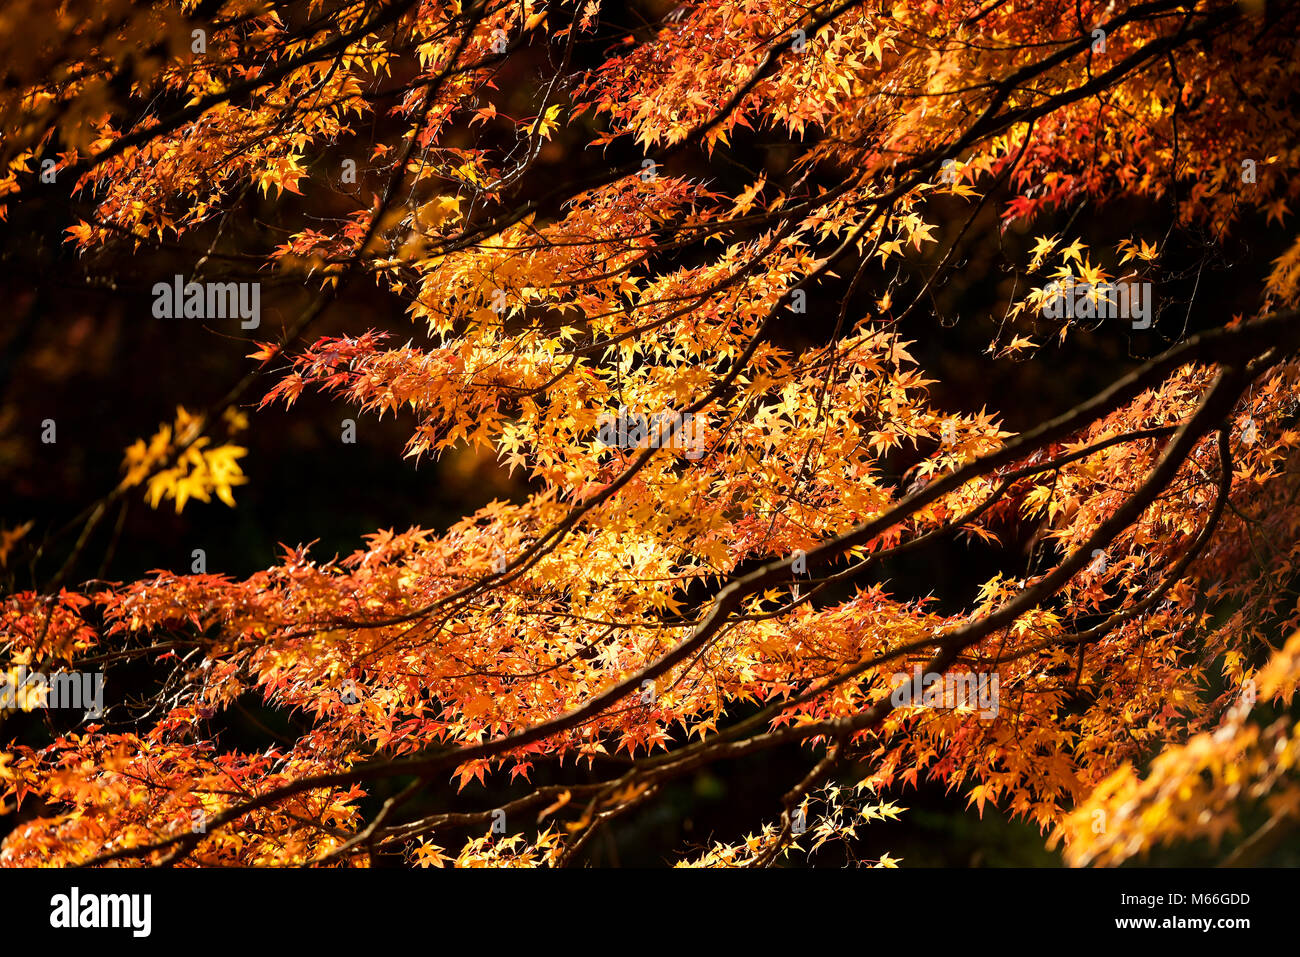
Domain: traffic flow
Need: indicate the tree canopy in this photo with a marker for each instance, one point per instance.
(677, 271)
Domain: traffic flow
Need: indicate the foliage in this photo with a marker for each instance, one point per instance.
(642, 603)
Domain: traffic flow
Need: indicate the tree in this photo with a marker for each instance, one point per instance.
(692, 346)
